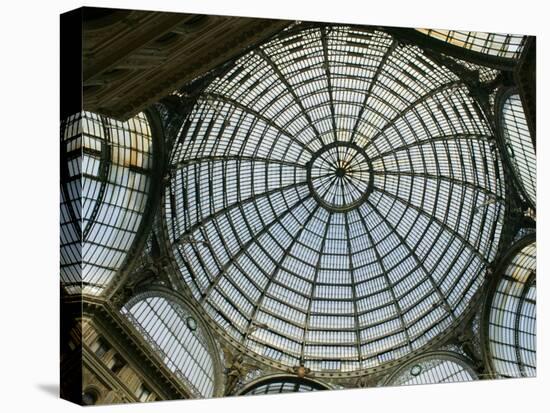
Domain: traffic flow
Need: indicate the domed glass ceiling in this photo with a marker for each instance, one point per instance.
(334, 200)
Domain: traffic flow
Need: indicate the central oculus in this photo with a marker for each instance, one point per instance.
(339, 176)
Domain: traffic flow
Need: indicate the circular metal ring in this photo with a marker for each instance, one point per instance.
(341, 171)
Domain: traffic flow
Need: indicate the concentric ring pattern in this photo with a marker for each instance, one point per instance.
(294, 280)
(339, 176)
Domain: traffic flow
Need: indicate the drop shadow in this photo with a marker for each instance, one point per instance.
(50, 389)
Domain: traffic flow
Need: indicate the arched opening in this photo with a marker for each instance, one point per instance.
(90, 397)
(177, 337)
(510, 315)
(282, 384)
(433, 368)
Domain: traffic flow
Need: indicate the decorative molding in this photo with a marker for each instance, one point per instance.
(132, 64)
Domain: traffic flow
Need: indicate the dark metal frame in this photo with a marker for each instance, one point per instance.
(193, 247)
(154, 197)
(345, 207)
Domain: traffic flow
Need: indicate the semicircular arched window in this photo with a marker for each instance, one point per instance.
(433, 369)
(104, 193)
(177, 338)
(283, 385)
(519, 146)
(511, 333)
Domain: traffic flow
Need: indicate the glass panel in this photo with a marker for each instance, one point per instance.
(103, 197)
(434, 370)
(494, 44)
(519, 145)
(512, 317)
(283, 386)
(177, 339)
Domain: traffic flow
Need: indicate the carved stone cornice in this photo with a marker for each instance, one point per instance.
(111, 324)
(101, 373)
(144, 56)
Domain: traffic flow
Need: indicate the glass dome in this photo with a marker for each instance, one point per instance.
(335, 198)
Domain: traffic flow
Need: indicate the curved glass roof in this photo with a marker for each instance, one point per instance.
(177, 338)
(519, 146)
(512, 317)
(493, 44)
(434, 369)
(335, 198)
(104, 192)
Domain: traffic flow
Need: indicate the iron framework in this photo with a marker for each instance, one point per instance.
(335, 281)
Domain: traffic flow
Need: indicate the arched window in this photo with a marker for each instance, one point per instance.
(336, 197)
(519, 145)
(104, 192)
(279, 385)
(177, 338)
(90, 397)
(432, 369)
(511, 316)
